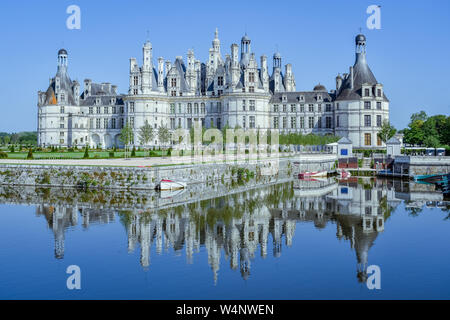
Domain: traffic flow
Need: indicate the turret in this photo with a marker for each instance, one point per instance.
(245, 50)
(62, 60)
(146, 67)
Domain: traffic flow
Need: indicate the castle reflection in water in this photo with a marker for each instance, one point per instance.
(241, 225)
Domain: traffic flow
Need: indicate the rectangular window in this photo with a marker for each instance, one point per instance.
(379, 105)
(189, 108)
(172, 123)
(275, 123)
(105, 123)
(328, 122)
(174, 82)
(302, 108)
(244, 122)
(243, 105)
(319, 122)
(367, 92)
(293, 108)
(62, 109)
(284, 108)
(379, 142)
(113, 123)
(172, 108)
(219, 107)
(367, 139)
(293, 122)
(97, 123)
(91, 123)
(105, 110)
(252, 105)
(251, 89)
(379, 92)
(132, 122)
(275, 108)
(121, 109)
(337, 122)
(219, 123)
(114, 110)
(61, 125)
(251, 77)
(367, 121)
(319, 108)
(328, 108)
(189, 123)
(284, 122)
(252, 122)
(99, 110)
(302, 122)
(135, 80)
(196, 108)
(311, 122)
(367, 105)
(91, 110)
(203, 108)
(131, 107)
(379, 121)
(135, 91)
(220, 81)
(311, 108)
(122, 123)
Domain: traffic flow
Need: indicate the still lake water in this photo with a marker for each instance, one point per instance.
(281, 241)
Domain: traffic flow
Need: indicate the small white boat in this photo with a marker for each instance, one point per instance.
(170, 185)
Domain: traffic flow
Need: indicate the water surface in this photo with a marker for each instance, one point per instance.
(293, 240)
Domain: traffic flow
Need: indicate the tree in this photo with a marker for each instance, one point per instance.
(163, 135)
(431, 142)
(387, 131)
(86, 153)
(146, 134)
(419, 116)
(126, 135)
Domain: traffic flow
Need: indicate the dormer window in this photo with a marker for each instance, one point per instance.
(284, 98)
(319, 97)
(302, 98)
(220, 81)
(367, 92)
(174, 82)
(378, 92)
(251, 77)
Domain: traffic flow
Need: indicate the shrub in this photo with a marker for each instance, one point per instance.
(3, 155)
(11, 149)
(133, 152)
(111, 154)
(30, 154)
(169, 152)
(86, 153)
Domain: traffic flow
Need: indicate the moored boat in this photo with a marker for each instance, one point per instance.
(315, 174)
(170, 185)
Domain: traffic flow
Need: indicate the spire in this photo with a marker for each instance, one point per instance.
(216, 35)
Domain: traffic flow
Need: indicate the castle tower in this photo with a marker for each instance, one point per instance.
(245, 50)
(147, 68)
(264, 73)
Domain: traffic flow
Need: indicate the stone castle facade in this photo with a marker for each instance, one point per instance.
(234, 91)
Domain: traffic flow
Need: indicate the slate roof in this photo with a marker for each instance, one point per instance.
(294, 97)
(361, 75)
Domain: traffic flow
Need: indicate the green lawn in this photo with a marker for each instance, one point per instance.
(79, 155)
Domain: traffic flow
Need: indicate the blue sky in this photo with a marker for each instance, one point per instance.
(410, 55)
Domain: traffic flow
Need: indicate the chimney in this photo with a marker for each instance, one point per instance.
(351, 78)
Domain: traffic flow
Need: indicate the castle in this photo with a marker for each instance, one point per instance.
(235, 91)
